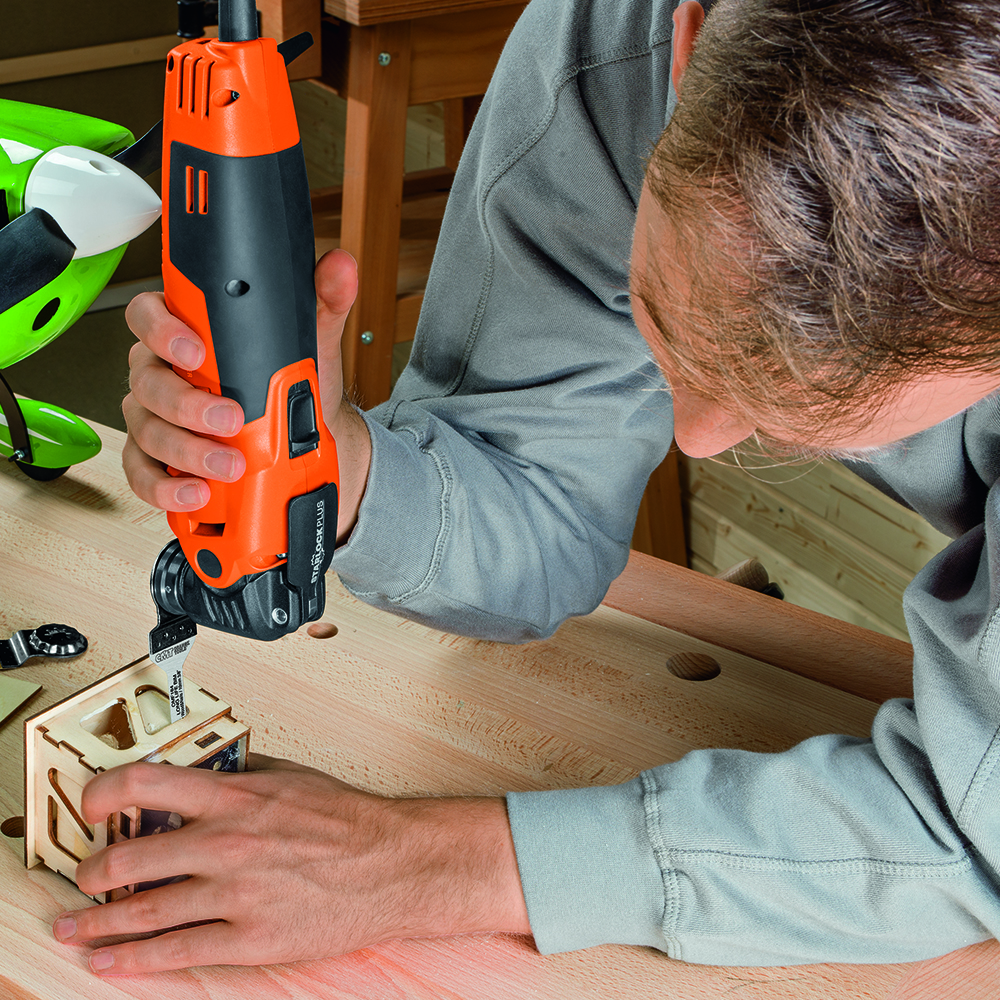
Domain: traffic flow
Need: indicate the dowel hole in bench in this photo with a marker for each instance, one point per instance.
(693, 666)
(322, 630)
(13, 827)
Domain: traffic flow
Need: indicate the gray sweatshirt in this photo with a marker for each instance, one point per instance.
(506, 474)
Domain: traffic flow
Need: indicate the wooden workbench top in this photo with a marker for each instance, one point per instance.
(399, 708)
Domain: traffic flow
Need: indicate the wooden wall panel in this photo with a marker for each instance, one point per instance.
(322, 116)
(834, 543)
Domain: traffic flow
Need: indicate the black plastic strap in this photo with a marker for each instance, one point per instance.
(291, 48)
(15, 423)
(145, 155)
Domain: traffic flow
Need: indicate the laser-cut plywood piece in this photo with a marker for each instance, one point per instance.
(122, 718)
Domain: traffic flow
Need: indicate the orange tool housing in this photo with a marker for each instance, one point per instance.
(238, 256)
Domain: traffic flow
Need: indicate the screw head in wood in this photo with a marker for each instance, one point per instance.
(367, 337)
(384, 59)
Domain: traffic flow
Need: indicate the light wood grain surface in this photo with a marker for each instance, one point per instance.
(398, 708)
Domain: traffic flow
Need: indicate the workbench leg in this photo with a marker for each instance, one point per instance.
(374, 153)
(459, 114)
(659, 528)
(284, 19)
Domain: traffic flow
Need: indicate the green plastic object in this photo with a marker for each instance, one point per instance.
(26, 132)
(41, 317)
(59, 438)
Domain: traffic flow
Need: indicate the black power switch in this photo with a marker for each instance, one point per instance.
(303, 434)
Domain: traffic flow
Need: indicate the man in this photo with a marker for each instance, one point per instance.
(815, 262)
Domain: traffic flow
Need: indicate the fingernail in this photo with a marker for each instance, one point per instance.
(187, 352)
(222, 418)
(102, 960)
(221, 464)
(190, 495)
(64, 927)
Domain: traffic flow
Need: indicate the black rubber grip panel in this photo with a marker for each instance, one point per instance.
(255, 239)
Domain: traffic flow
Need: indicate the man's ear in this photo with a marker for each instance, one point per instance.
(688, 19)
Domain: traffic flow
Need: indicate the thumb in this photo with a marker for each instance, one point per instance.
(262, 762)
(336, 279)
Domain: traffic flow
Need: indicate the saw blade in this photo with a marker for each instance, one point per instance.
(169, 645)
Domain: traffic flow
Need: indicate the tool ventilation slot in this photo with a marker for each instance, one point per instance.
(209, 529)
(194, 84)
(196, 191)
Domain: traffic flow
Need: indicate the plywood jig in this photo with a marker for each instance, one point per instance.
(123, 717)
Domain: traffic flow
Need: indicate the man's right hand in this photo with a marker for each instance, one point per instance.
(287, 863)
(167, 418)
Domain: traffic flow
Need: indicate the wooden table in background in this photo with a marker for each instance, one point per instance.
(398, 708)
(384, 56)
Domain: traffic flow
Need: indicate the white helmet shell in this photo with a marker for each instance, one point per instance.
(99, 203)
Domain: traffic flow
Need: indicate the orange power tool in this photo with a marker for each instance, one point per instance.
(238, 259)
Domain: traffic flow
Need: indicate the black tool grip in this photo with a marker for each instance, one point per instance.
(244, 237)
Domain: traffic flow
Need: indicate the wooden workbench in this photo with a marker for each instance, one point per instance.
(398, 708)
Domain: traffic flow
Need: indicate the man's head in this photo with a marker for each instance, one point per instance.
(819, 235)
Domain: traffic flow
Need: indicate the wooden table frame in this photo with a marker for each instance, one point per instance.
(382, 67)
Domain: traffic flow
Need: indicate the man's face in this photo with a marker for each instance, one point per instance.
(707, 426)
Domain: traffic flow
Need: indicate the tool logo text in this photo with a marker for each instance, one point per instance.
(318, 553)
(166, 654)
